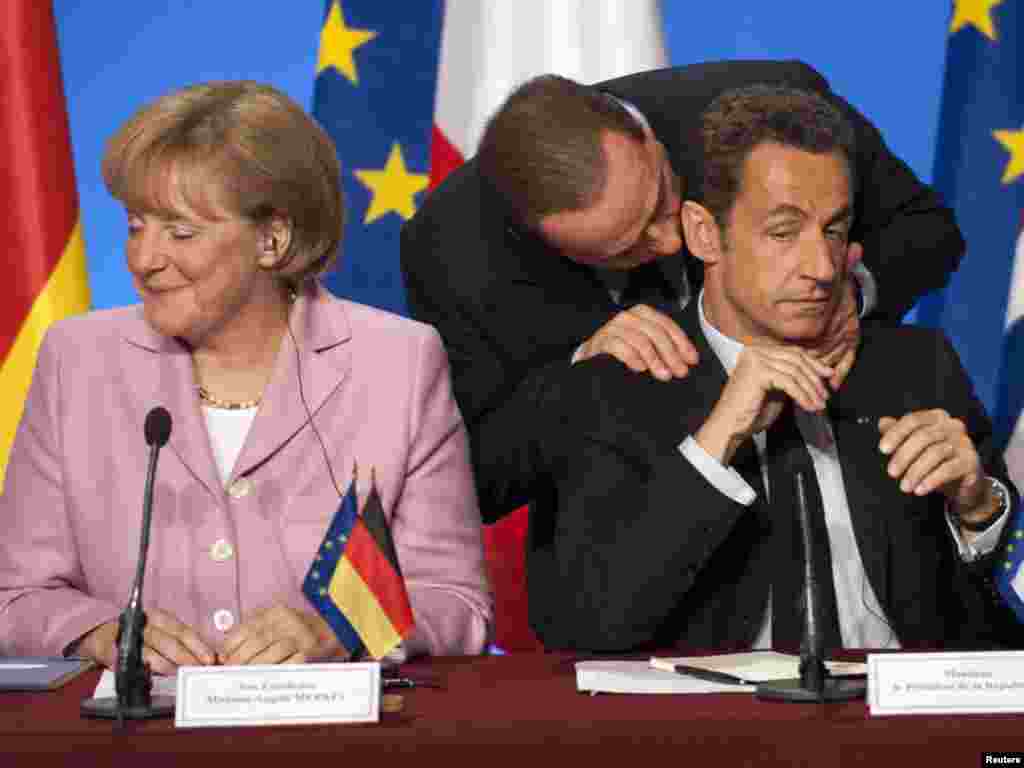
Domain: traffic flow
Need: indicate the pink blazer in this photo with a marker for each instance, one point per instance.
(379, 391)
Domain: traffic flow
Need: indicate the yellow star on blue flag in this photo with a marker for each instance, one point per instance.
(374, 94)
(977, 13)
(1013, 141)
(393, 187)
(338, 42)
(982, 105)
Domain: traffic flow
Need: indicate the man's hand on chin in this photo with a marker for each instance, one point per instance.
(839, 345)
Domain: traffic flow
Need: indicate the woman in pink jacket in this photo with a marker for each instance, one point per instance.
(276, 390)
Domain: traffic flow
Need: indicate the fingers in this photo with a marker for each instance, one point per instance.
(930, 451)
(278, 635)
(644, 339)
(798, 375)
(100, 644)
(843, 366)
(170, 644)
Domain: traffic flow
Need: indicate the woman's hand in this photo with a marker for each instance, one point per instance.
(281, 635)
(166, 644)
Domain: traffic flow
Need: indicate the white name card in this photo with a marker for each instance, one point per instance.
(277, 694)
(945, 683)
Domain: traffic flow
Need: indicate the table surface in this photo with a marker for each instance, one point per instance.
(499, 708)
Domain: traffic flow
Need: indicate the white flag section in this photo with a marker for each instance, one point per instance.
(1010, 573)
(490, 46)
(1014, 312)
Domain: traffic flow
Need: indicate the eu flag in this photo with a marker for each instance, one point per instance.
(374, 94)
(980, 170)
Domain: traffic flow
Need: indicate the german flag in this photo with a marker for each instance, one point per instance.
(355, 582)
(45, 276)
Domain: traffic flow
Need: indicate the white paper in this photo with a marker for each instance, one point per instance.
(641, 677)
(278, 694)
(162, 686)
(757, 666)
(946, 683)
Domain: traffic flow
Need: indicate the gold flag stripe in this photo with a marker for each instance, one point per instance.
(356, 600)
(65, 293)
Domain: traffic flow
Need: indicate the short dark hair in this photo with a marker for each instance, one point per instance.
(741, 119)
(541, 151)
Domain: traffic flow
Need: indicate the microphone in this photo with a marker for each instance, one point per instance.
(814, 684)
(133, 680)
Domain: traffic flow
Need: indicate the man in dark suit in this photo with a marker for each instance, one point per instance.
(514, 301)
(665, 510)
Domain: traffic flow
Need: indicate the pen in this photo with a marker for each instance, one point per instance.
(711, 676)
(406, 682)
(22, 666)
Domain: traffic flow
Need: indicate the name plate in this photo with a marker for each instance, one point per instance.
(278, 694)
(945, 683)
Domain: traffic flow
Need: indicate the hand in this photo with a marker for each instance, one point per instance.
(166, 644)
(280, 635)
(931, 451)
(764, 379)
(645, 340)
(839, 345)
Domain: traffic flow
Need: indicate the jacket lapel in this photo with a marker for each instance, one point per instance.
(313, 369)
(162, 375)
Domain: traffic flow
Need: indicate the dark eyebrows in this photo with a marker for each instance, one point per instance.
(843, 214)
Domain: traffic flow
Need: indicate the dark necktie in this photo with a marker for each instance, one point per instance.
(785, 455)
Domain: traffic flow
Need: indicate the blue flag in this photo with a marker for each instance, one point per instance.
(374, 94)
(316, 585)
(980, 170)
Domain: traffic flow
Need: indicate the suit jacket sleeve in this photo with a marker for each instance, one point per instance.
(436, 522)
(43, 605)
(995, 623)
(636, 522)
(505, 327)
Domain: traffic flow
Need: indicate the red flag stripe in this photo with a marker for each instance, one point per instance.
(373, 567)
(444, 157)
(36, 184)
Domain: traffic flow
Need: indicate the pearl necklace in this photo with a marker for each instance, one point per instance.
(229, 405)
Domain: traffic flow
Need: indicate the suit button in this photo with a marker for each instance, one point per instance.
(223, 620)
(240, 488)
(221, 551)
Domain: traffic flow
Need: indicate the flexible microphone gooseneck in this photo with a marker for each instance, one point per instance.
(133, 679)
(814, 684)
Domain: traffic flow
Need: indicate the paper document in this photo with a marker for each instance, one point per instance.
(33, 673)
(162, 686)
(756, 666)
(641, 677)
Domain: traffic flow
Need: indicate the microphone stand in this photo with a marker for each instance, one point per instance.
(133, 679)
(815, 684)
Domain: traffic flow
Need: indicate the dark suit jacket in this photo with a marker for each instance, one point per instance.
(631, 546)
(507, 306)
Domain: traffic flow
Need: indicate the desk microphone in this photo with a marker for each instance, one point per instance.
(133, 680)
(814, 683)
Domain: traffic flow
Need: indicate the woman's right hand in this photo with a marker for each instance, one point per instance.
(167, 644)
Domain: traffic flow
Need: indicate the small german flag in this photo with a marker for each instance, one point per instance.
(354, 581)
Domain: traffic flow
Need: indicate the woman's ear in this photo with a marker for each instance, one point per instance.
(275, 239)
(703, 238)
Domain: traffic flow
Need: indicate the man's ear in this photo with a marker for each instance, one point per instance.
(275, 239)
(703, 237)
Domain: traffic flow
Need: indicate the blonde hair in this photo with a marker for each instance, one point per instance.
(241, 145)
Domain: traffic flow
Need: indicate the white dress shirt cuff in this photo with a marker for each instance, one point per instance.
(982, 543)
(868, 287)
(725, 479)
